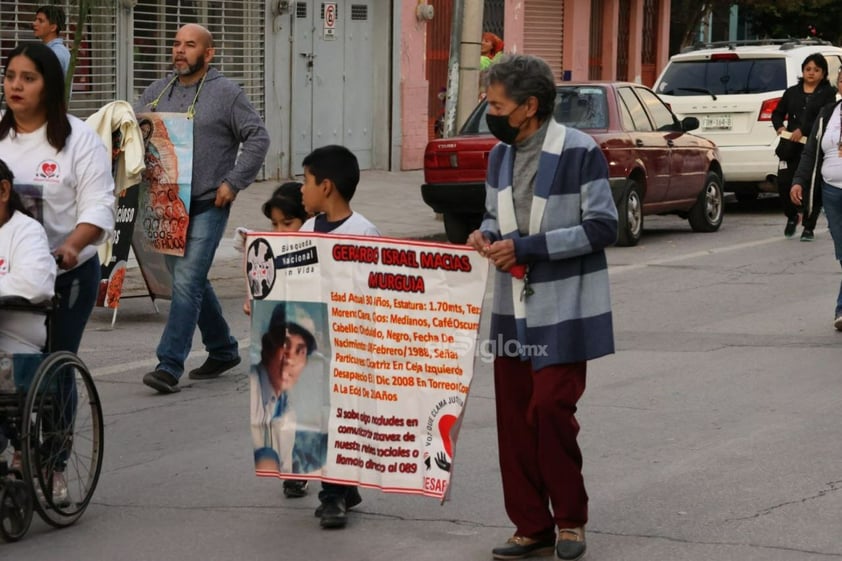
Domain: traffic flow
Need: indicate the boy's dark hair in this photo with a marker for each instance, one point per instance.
(287, 199)
(336, 163)
(15, 202)
(46, 61)
(54, 15)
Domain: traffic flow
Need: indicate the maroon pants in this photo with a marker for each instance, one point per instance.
(540, 460)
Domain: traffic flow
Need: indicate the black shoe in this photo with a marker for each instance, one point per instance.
(571, 544)
(295, 488)
(161, 381)
(519, 547)
(352, 499)
(791, 224)
(334, 513)
(807, 235)
(212, 368)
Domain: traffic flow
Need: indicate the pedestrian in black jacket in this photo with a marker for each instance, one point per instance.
(799, 107)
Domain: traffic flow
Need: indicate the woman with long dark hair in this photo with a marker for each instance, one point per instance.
(799, 107)
(63, 175)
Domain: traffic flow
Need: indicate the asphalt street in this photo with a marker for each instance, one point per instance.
(712, 433)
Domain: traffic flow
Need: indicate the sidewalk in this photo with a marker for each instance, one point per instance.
(392, 200)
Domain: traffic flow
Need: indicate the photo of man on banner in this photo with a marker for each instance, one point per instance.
(289, 399)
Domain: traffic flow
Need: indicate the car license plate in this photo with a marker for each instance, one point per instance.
(721, 122)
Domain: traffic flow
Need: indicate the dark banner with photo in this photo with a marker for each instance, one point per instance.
(362, 357)
(114, 270)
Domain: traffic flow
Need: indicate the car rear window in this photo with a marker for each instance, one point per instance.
(721, 77)
(581, 107)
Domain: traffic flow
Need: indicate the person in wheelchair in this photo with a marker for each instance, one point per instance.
(27, 270)
(39, 388)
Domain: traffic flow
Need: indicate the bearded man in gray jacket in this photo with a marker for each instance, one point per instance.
(224, 124)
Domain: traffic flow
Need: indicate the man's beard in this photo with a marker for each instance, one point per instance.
(191, 68)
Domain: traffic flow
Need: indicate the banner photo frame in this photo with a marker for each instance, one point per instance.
(362, 354)
(164, 203)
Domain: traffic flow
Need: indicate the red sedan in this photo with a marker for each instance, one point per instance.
(655, 165)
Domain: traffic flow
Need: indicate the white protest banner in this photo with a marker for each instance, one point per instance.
(362, 356)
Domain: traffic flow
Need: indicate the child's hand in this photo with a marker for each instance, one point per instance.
(247, 307)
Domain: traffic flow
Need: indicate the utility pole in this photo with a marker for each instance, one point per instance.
(471, 51)
(453, 70)
(463, 64)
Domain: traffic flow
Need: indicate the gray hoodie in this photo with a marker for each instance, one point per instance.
(224, 119)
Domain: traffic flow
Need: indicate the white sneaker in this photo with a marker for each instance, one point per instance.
(837, 323)
(60, 494)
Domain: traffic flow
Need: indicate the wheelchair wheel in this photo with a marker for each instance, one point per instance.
(15, 510)
(62, 439)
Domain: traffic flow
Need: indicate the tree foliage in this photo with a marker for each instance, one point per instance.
(77, 20)
(765, 18)
(792, 18)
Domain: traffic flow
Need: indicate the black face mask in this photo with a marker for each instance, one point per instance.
(500, 127)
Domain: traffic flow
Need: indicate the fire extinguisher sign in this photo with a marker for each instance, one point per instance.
(330, 21)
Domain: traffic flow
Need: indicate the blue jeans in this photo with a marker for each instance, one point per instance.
(193, 299)
(76, 291)
(832, 200)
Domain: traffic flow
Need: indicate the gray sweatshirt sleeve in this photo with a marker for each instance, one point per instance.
(254, 139)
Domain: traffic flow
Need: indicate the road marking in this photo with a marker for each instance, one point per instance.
(152, 362)
(620, 269)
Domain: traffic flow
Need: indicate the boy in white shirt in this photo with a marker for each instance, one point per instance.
(331, 175)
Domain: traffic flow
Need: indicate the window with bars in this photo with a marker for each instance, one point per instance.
(238, 32)
(493, 16)
(95, 78)
(650, 31)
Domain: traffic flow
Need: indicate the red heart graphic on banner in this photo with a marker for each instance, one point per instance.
(48, 168)
(445, 424)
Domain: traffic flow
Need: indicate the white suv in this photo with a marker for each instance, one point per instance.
(732, 88)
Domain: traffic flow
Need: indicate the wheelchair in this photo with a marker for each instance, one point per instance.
(51, 434)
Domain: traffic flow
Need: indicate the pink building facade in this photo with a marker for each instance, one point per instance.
(580, 39)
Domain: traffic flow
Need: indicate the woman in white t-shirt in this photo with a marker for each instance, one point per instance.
(27, 270)
(63, 175)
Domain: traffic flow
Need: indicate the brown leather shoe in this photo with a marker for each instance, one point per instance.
(520, 547)
(571, 544)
